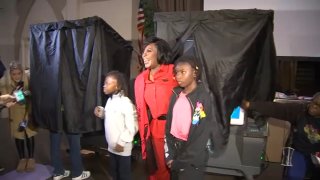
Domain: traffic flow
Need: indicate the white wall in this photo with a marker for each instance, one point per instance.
(117, 13)
(296, 23)
(41, 12)
(7, 29)
(120, 14)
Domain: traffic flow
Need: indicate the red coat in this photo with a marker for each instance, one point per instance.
(157, 96)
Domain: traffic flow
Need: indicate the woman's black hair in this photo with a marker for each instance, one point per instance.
(192, 61)
(164, 55)
(316, 95)
(122, 83)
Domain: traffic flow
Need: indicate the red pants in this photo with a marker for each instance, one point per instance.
(162, 172)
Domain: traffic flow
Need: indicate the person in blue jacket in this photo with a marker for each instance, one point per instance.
(305, 120)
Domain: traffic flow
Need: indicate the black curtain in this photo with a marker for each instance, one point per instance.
(68, 61)
(178, 5)
(235, 48)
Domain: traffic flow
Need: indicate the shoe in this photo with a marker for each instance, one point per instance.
(84, 175)
(21, 165)
(65, 174)
(30, 165)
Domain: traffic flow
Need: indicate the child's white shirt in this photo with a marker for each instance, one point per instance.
(120, 123)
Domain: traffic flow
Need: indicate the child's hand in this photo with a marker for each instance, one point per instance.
(10, 104)
(119, 148)
(99, 112)
(169, 163)
(245, 104)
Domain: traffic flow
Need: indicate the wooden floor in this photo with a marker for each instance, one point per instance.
(97, 162)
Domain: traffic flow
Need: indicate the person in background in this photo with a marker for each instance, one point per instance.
(189, 121)
(153, 88)
(305, 120)
(4, 99)
(22, 130)
(78, 172)
(120, 124)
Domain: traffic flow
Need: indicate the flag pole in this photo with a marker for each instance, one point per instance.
(140, 27)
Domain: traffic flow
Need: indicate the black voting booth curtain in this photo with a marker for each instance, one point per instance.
(235, 49)
(68, 61)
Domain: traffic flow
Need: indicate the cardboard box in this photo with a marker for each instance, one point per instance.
(278, 133)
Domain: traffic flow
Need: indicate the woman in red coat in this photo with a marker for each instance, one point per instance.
(153, 89)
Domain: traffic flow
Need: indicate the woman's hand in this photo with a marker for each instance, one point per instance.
(99, 112)
(7, 98)
(10, 104)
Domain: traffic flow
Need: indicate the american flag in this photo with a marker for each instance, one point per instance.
(140, 25)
